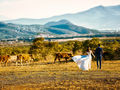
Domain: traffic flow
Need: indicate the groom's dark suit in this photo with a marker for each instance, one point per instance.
(98, 54)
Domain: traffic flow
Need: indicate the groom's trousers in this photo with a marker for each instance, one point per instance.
(99, 59)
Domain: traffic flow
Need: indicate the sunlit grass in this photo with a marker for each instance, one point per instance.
(47, 75)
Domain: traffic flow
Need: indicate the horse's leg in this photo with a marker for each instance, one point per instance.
(55, 59)
(6, 63)
(21, 62)
(16, 63)
(28, 62)
(0, 63)
(59, 60)
(66, 60)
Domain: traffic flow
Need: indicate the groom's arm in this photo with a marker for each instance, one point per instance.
(101, 51)
(96, 52)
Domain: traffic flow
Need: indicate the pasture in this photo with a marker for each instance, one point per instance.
(45, 75)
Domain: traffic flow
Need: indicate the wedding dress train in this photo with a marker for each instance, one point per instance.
(83, 61)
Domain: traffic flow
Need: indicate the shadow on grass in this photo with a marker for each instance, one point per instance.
(36, 63)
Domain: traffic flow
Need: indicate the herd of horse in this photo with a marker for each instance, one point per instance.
(27, 58)
(16, 58)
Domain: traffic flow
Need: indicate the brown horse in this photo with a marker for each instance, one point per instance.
(24, 58)
(4, 59)
(65, 55)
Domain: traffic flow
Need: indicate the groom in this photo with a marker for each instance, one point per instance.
(98, 54)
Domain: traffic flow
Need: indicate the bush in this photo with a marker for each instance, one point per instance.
(41, 49)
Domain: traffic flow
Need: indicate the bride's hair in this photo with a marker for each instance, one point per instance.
(88, 49)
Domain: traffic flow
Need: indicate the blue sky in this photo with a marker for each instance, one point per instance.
(13, 9)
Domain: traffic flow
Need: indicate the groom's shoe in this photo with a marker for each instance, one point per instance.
(97, 67)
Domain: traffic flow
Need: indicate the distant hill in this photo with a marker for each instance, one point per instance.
(69, 27)
(99, 17)
(9, 30)
(14, 31)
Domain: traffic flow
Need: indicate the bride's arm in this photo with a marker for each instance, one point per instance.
(92, 54)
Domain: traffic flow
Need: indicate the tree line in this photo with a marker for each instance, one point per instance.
(42, 49)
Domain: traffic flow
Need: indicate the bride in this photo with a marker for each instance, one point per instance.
(84, 61)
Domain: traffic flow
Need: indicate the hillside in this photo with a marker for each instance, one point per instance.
(66, 25)
(9, 30)
(14, 31)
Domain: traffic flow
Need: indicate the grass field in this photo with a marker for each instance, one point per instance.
(60, 76)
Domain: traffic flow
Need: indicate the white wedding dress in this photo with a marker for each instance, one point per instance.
(83, 61)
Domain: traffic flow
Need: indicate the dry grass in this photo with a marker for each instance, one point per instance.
(47, 75)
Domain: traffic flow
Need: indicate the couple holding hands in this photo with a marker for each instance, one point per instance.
(84, 61)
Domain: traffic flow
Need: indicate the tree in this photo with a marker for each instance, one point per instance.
(41, 49)
(77, 46)
(93, 44)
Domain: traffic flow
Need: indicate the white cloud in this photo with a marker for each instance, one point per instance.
(47, 8)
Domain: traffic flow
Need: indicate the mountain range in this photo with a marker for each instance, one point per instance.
(3, 18)
(100, 17)
(62, 27)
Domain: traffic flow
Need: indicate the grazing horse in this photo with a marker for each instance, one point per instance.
(65, 55)
(4, 59)
(24, 58)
